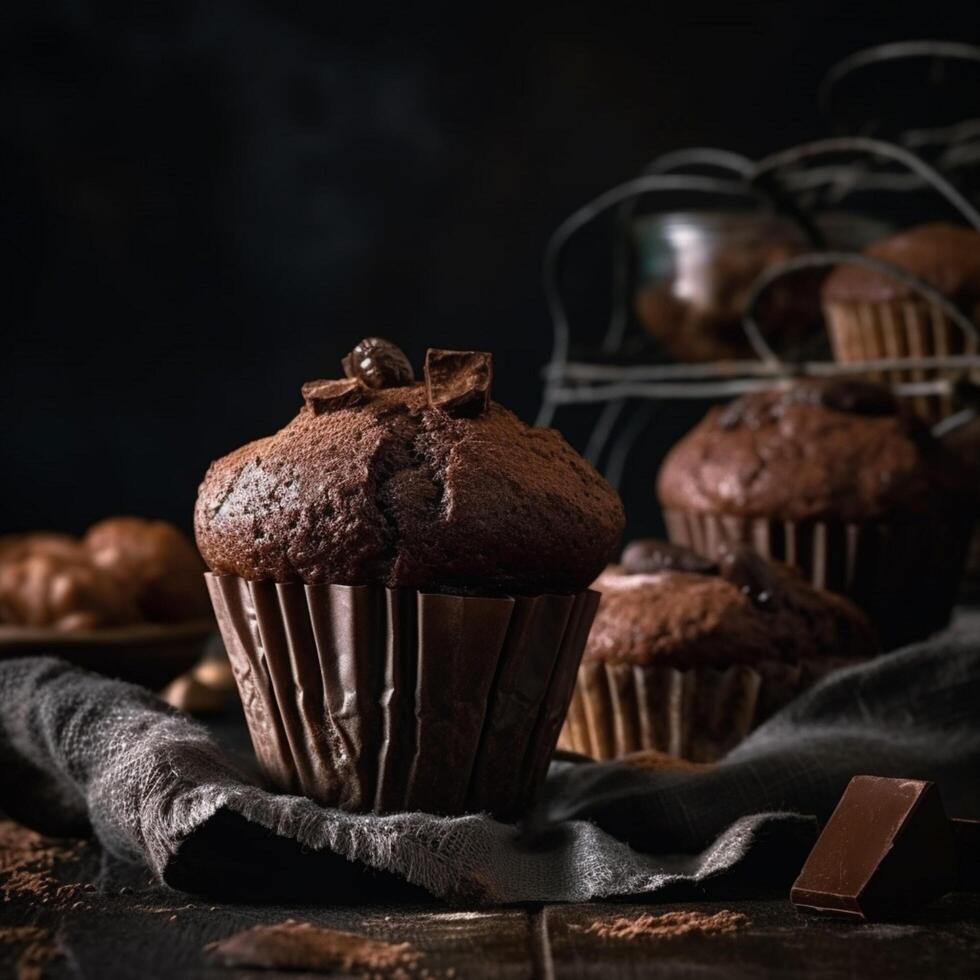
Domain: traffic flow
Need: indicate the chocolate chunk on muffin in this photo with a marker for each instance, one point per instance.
(836, 478)
(395, 490)
(689, 658)
(400, 576)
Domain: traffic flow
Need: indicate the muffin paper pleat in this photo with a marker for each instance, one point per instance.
(905, 576)
(697, 714)
(899, 329)
(372, 699)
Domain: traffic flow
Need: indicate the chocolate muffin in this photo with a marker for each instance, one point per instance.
(836, 478)
(690, 657)
(874, 316)
(400, 575)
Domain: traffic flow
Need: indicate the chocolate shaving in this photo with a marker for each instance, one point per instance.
(649, 555)
(751, 574)
(458, 382)
(332, 395)
(378, 363)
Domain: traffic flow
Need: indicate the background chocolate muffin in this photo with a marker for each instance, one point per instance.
(945, 256)
(389, 489)
(836, 478)
(874, 316)
(688, 658)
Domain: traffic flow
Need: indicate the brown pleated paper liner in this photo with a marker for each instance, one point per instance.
(697, 714)
(906, 329)
(372, 699)
(904, 576)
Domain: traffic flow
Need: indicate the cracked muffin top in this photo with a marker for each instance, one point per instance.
(666, 606)
(427, 485)
(838, 450)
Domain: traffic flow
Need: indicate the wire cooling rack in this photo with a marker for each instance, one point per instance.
(796, 184)
(627, 393)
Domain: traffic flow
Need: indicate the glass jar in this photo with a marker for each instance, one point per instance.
(696, 270)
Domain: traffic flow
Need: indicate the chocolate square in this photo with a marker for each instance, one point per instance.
(886, 850)
(458, 382)
(332, 395)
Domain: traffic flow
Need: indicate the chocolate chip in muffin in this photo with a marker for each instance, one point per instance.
(378, 363)
(751, 574)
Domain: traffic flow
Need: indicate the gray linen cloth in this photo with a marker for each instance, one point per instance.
(79, 752)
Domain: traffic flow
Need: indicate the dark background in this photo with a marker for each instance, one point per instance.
(205, 204)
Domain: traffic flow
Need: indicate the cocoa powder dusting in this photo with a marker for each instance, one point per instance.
(27, 864)
(292, 945)
(669, 925)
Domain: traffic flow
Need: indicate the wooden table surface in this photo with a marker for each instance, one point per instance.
(66, 915)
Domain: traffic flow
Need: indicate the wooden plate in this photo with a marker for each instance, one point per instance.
(151, 654)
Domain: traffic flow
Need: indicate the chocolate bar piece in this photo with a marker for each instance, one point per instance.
(333, 395)
(458, 381)
(887, 849)
(751, 574)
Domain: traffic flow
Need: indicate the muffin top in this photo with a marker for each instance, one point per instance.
(742, 610)
(945, 256)
(430, 486)
(823, 450)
